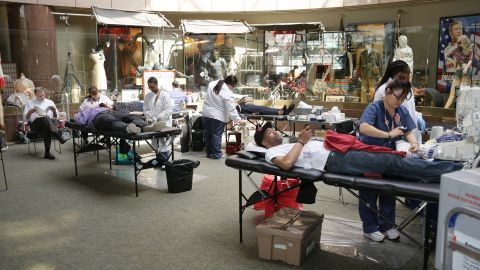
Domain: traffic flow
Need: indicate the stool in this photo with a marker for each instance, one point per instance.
(233, 147)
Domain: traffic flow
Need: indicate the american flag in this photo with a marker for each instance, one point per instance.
(471, 28)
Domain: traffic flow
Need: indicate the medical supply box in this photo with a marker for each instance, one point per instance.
(289, 235)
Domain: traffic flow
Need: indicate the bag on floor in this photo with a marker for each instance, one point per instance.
(124, 159)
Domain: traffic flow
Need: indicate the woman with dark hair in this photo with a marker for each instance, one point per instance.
(95, 99)
(218, 108)
(399, 71)
(383, 123)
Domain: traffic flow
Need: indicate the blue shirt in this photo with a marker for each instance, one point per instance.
(376, 115)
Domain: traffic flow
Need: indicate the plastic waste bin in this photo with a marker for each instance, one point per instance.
(180, 174)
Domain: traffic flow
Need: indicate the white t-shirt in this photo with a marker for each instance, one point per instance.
(90, 103)
(41, 109)
(317, 158)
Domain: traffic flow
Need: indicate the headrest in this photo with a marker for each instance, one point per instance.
(253, 151)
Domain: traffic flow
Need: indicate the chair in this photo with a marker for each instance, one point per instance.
(33, 137)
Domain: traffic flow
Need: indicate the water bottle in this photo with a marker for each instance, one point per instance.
(307, 158)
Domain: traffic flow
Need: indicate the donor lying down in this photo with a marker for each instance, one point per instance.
(344, 154)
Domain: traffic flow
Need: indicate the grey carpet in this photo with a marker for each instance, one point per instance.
(51, 219)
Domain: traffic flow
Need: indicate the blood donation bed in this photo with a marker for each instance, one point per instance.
(112, 138)
(248, 162)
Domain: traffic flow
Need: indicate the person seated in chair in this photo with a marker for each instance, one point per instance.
(40, 112)
(178, 97)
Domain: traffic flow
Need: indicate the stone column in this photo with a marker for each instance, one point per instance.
(33, 42)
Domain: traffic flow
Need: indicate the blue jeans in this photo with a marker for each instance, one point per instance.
(418, 170)
(359, 162)
(255, 109)
(213, 130)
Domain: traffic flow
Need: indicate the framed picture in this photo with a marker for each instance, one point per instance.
(381, 34)
(454, 54)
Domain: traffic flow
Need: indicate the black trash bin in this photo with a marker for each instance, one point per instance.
(180, 174)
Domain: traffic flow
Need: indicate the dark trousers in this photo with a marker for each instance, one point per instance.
(213, 130)
(117, 121)
(254, 109)
(360, 162)
(45, 127)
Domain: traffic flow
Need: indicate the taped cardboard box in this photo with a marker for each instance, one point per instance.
(289, 235)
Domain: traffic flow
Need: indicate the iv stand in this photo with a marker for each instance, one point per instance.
(69, 75)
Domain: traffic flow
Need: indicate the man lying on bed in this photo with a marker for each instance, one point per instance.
(104, 118)
(344, 154)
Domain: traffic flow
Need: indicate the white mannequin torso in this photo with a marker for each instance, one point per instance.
(99, 77)
(404, 52)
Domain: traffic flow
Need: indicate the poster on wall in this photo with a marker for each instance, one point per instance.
(458, 51)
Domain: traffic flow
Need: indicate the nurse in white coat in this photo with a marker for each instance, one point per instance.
(157, 108)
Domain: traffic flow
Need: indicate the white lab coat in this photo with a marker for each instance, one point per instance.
(220, 106)
(158, 107)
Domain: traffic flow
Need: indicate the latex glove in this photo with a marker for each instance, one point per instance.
(413, 148)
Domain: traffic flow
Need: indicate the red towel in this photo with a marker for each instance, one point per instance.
(342, 143)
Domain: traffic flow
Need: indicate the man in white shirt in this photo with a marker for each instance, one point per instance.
(306, 153)
(158, 108)
(40, 113)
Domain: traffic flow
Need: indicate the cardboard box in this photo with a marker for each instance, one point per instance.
(289, 235)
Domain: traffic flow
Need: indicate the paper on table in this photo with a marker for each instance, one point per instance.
(40, 111)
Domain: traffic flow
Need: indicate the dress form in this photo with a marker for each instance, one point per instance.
(99, 77)
(404, 52)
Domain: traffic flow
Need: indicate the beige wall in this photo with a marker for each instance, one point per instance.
(213, 5)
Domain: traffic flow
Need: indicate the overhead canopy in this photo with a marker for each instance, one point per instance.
(215, 27)
(130, 18)
(290, 26)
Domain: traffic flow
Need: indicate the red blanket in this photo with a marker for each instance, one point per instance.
(342, 143)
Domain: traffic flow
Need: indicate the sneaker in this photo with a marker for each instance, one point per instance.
(392, 234)
(133, 129)
(375, 236)
(155, 126)
(49, 155)
(289, 109)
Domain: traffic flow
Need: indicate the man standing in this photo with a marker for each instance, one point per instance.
(158, 108)
(40, 113)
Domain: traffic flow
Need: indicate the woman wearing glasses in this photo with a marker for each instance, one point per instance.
(400, 71)
(384, 122)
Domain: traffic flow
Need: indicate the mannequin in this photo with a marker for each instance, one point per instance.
(369, 72)
(405, 53)
(462, 56)
(99, 78)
